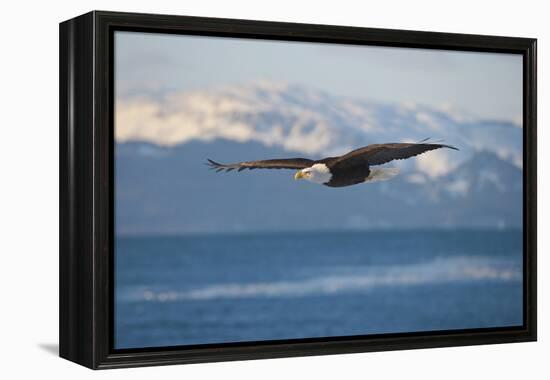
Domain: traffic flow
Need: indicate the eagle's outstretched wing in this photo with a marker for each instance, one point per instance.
(284, 163)
(378, 154)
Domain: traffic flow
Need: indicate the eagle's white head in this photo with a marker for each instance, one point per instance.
(318, 173)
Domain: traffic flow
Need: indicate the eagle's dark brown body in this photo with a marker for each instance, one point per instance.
(346, 175)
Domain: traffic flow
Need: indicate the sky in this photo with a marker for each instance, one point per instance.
(487, 85)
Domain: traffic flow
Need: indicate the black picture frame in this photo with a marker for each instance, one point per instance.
(86, 188)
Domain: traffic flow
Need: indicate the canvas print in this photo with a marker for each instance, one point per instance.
(275, 190)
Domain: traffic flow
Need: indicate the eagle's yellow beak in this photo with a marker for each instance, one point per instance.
(298, 175)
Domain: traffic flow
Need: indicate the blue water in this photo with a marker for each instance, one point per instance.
(251, 287)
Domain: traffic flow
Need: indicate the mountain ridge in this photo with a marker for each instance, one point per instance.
(310, 122)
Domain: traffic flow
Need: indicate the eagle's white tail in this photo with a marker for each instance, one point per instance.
(381, 174)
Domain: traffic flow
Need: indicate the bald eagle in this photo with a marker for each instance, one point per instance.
(349, 169)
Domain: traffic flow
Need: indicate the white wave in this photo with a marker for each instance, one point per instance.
(463, 269)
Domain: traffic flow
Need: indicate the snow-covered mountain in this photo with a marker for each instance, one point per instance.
(163, 186)
(311, 122)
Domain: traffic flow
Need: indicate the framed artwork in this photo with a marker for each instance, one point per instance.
(235, 189)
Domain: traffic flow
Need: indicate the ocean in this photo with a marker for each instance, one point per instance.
(200, 289)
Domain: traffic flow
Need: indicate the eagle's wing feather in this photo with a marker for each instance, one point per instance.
(283, 163)
(378, 154)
